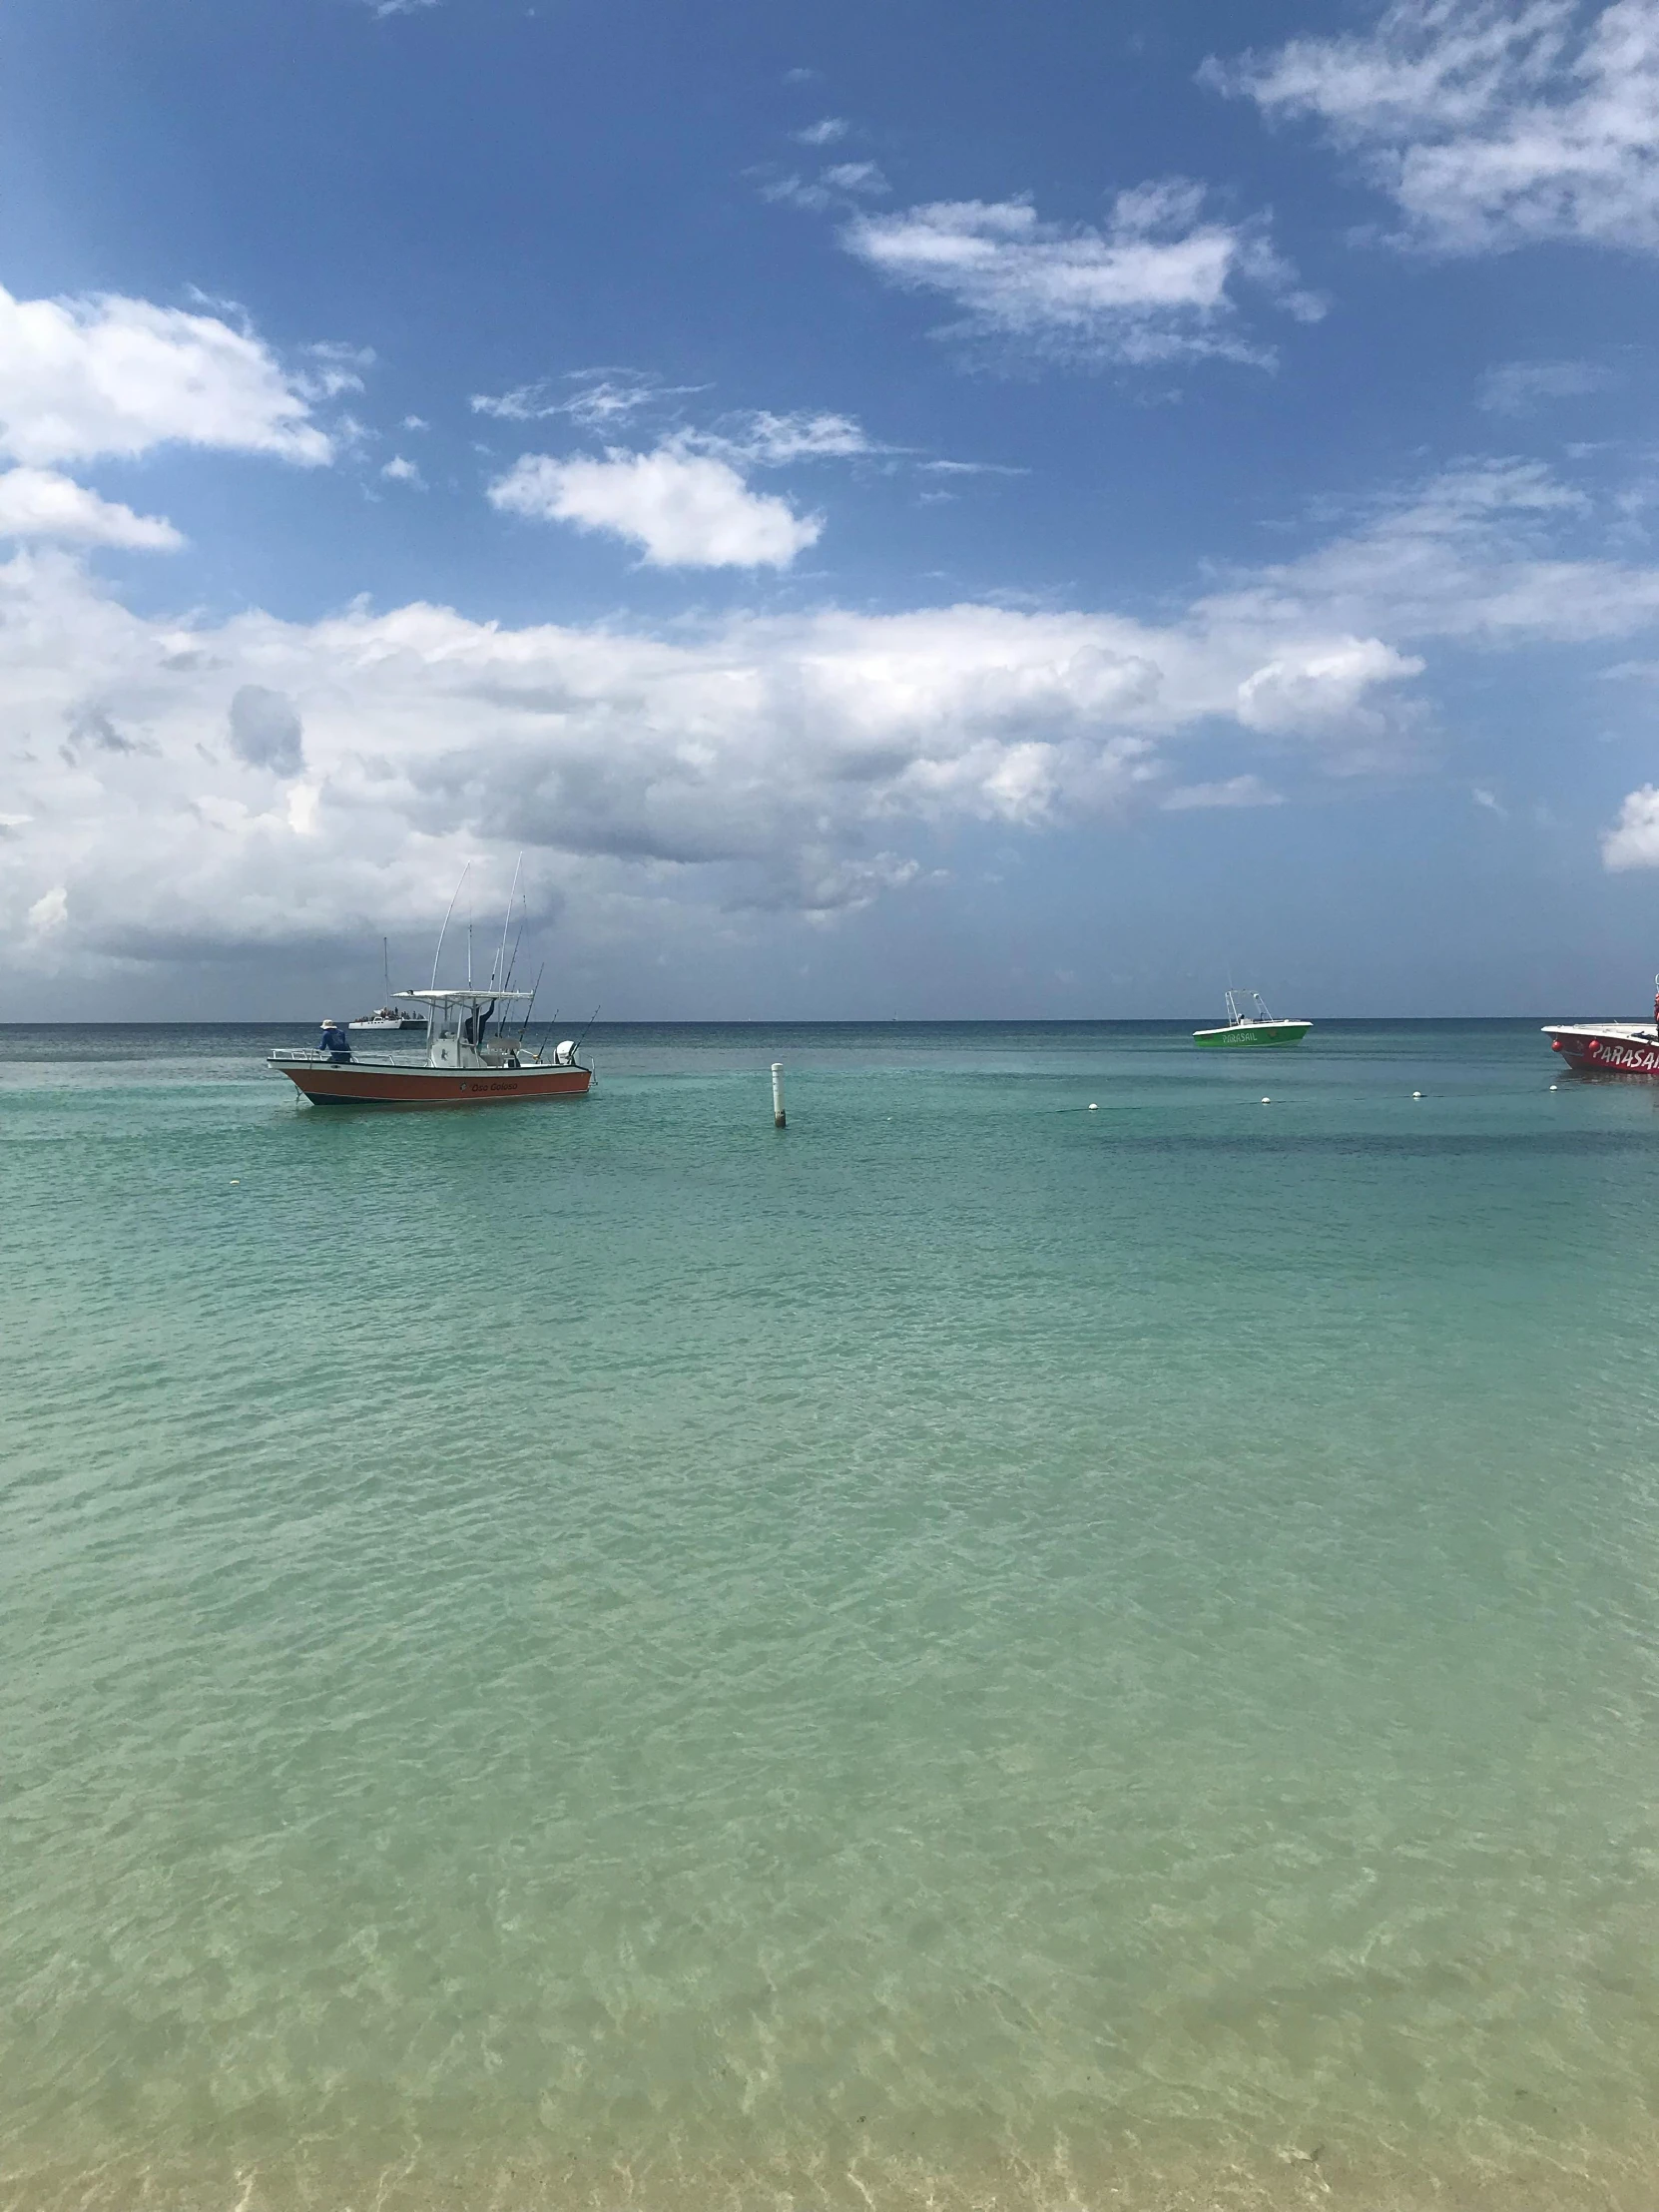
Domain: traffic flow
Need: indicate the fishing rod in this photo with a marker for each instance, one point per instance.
(448, 910)
(583, 1038)
(500, 960)
(518, 939)
(530, 1009)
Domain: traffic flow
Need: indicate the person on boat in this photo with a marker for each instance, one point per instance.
(336, 1044)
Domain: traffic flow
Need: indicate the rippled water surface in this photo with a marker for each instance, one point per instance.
(977, 1651)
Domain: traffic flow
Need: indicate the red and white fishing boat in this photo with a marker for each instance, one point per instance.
(464, 1066)
(1608, 1048)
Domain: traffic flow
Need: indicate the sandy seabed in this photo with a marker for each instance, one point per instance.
(1296, 2178)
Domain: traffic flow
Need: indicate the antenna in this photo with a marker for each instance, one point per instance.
(469, 956)
(448, 910)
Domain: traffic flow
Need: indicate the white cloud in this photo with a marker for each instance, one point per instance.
(1470, 555)
(598, 399)
(1235, 790)
(525, 403)
(108, 375)
(339, 368)
(1156, 282)
(192, 787)
(49, 913)
(842, 185)
(1516, 388)
(829, 132)
(1491, 123)
(414, 422)
(767, 440)
(858, 177)
(39, 503)
(1312, 694)
(791, 761)
(400, 471)
(682, 509)
(970, 468)
(1634, 840)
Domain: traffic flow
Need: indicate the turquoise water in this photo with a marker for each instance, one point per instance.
(974, 1651)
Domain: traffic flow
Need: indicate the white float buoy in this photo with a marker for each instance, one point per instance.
(1267, 1102)
(1554, 1086)
(776, 1094)
(1093, 1108)
(1416, 1094)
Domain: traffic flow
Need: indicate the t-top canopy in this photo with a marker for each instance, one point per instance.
(468, 997)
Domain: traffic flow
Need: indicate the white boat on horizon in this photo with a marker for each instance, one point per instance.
(387, 1017)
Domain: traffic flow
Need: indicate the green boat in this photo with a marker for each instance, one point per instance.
(1258, 1028)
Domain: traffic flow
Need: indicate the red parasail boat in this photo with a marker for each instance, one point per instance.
(464, 1066)
(1608, 1048)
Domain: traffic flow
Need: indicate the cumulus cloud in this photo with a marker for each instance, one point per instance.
(49, 913)
(265, 730)
(787, 761)
(398, 470)
(156, 775)
(1490, 125)
(1634, 841)
(1158, 281)
(1313, 693)
(682, 509)
(39, 503)
(829, 132)
(109, 375)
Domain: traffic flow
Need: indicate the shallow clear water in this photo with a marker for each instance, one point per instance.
(976, 1650)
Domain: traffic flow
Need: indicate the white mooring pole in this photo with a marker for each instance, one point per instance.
(776, 1094)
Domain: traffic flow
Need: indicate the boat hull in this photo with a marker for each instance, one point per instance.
(362, 1083)
(1606, 1048)
(1254, 1035)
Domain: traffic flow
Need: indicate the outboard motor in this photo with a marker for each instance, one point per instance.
(564, 1053)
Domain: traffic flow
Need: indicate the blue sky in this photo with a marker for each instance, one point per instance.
(890, 508)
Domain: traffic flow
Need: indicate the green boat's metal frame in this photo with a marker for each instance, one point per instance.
(1256, 1029)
